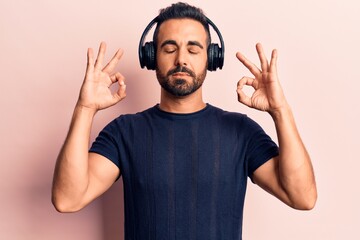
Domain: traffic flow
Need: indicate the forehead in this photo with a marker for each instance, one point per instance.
(182, 30)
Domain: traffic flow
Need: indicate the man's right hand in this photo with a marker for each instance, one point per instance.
(95, 92)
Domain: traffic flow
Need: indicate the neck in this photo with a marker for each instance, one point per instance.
(187, 104)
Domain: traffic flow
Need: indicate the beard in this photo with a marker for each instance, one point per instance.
(180, 87)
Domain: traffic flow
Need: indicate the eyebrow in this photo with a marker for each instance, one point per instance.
(168, 42)
(173, 42)
(195, 43)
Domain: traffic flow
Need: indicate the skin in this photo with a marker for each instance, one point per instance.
(80, 176)
(182, 43)
(289, 176)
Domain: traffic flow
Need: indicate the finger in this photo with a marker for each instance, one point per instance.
(101, 54)
(122, 88)
(249, 82)
(242, 97)
(249, 65)
(116, 77)
(90, 59)
(121, 93)
(273, 62)
(115, 59)
(263, 60)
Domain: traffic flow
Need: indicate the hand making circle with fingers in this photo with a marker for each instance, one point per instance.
(268, 95)
(95, 92)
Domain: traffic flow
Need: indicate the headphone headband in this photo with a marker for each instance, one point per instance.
(222, 47)
(147, 53)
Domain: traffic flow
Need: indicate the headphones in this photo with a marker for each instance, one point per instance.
(147, 54)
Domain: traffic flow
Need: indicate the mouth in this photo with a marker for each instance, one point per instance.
(180, 74)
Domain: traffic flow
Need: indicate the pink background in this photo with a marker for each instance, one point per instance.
(42, 60)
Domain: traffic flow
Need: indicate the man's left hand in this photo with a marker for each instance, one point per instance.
(268, 95)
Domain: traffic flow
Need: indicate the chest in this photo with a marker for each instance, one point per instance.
(182, 158)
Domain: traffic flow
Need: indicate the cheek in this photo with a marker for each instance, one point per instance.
(163, 64)
(201, 64)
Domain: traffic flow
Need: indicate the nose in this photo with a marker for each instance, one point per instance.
(181, 58)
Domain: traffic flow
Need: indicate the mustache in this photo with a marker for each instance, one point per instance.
(181, 69)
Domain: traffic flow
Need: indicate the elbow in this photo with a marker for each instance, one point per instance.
(307, 203)
(311, 202)
(63, 206)
(306, 206)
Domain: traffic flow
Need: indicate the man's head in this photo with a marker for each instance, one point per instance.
(180, 11)
(181, 40)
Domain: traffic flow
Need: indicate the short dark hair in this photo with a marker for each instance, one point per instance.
(181, 10)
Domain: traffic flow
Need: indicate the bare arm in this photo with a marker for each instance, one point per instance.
(80, 176)
(289, 176)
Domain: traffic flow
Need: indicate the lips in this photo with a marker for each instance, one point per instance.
(180, 74)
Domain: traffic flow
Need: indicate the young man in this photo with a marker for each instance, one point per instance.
(184, 163)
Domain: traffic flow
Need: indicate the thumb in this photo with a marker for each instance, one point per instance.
(121, 92)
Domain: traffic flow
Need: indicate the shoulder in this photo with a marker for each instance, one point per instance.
(230, 116)
(129, 117)
(125, 122)
(237, 120)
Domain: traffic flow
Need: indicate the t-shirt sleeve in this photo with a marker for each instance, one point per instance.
(107, 143)
(260, 147)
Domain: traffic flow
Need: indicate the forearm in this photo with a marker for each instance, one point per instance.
(71, 171)
(296, 174)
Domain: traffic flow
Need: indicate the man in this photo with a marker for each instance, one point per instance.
(184, 163)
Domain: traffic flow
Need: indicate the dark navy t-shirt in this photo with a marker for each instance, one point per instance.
(184, 175)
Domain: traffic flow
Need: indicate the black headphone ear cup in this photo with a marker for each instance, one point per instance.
(210, 53)
(214, 57)
(149, 56)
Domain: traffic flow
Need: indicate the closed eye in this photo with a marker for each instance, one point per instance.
(169, 50)
(169, 46)
(194, 47)
(194, 50)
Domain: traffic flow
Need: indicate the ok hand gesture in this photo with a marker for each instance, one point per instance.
(95, 92)
(268, 95)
